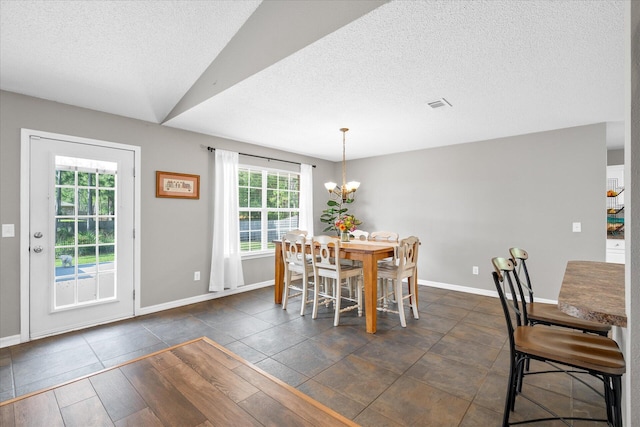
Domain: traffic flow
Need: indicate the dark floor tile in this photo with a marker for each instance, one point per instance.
(243, 327)
(457, 299)
(247, 353)
(6, 375)
(126, 357)
(308, 327)
(490, 306)
(466, 351)
(343, 339)
(436, 323)
(124, 344)
(413, 403)
(6, 395)
(112, 330)
(479, 334)
(52, 381)
(46, 346)
(477, 416)
(357, 378)
(493, 392)
(332, 398)
(273, 340)
(249, 304)
(52, 365)
(309, 357)
(371, 418)
(282, 372)
(443, 310)
(461, 379)
(278, 316)
(496, 321)
(396, 358)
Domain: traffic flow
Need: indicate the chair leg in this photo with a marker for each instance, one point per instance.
(305, 290)
(510, 398)
(316, 291)
(359, 290)
(617, 401)
(338, 298)
(285, 293)
(397, 286)
(413, 300)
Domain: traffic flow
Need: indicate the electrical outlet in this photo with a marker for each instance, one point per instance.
(577, 227)
(196, 275)
(475, 269)
(8, 230)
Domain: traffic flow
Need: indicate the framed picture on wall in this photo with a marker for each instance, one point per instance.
(177, 185)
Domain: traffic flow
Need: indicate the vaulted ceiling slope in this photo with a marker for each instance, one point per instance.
(288, 75)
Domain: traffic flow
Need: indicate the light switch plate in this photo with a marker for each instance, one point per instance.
(8, 230)
(577, 227)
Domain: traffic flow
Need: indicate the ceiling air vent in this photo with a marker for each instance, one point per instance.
(439, 103)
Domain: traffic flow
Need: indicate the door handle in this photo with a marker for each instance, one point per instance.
(37, 249)
(37, 235)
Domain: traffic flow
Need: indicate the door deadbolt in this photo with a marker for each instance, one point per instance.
(37, 249)
(37, 235)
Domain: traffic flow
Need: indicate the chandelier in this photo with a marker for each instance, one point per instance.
(347, 190)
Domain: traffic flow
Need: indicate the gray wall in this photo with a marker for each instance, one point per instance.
(615, 157)
(176, 234)
(467, 203)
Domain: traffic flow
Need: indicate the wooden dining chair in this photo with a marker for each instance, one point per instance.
(298, 267)
(383, 236)
(565, 351)
(404, 267)
(330, 276)
(549, 314)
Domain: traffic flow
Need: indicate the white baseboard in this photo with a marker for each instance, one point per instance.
(475, 291)
(9, 341)
(201, 298)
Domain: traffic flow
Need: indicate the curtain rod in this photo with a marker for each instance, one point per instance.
(211, 149)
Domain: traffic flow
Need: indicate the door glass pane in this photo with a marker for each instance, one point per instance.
(86, 201)
(65, 232)
(106, 258)
(107, 285)
(85, 192)
(65, 201)
(106, 202)
(106, 230)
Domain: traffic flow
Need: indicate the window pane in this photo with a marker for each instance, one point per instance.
(256, 179)
(65, 201)
(243, 197)
(107, 202)
(87, 179)
(65, 232)
(86, 201)
(65, 292)
(107, 180)
(65, 261)
(255, 197)
(106, 230)
(294, 184)
(106, 258)
(65, 177)
(87, 287)
(107, 285)
(283, 182)
(272, 181)
(86, 232)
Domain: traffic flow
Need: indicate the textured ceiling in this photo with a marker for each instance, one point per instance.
(507, 67)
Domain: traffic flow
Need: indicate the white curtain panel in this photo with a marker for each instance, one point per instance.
(306, 199)
(226, 264)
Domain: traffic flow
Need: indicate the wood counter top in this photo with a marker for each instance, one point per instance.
(594, 291)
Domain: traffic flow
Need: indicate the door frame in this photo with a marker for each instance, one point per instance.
(25, 186)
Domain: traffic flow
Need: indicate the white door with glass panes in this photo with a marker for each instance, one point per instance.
(81, 235)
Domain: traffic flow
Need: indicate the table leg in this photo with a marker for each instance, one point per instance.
(370, 270)
(279, 275)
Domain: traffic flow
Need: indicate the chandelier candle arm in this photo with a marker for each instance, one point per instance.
(347, 188)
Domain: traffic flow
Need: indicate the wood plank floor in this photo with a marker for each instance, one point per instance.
(198, 383)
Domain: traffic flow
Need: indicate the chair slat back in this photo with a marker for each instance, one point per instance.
(505, 271)
(408, 255)
(294, 249)
(383, 236)
(360, 234)
(519, 258)
(327, 253)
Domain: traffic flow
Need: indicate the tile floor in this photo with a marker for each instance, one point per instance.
(446, 369)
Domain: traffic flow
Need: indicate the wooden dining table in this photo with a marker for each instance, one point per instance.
(594, 291)
(368, 252)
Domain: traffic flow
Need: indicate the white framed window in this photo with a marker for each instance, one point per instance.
(269, 206)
